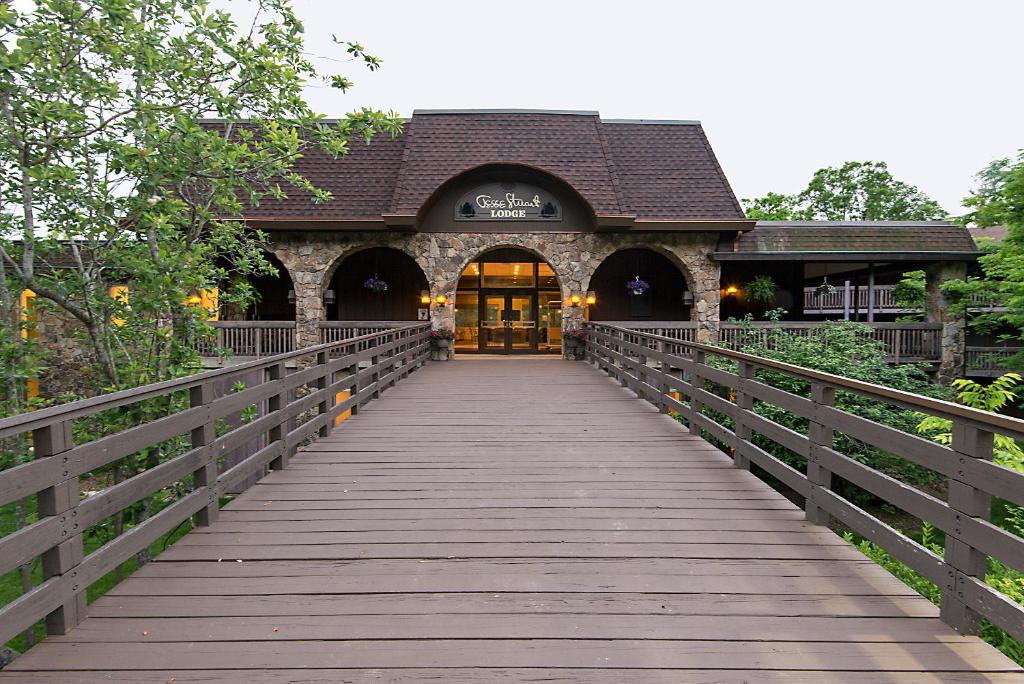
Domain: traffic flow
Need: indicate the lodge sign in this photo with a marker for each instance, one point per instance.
(507, 202)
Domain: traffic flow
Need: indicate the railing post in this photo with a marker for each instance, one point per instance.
(696, 405)
(663, 386)
(323, 382)
(353, 391)
(820, 435)
(276, 402)
(61, 500)
(205, 476)
(967, 501)
(744, 402)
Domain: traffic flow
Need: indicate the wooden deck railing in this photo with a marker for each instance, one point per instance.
(904, 342)
(335, 331)
(288, 409)
(989, 361)
(654, 365)
(250, 339)
(848, 300)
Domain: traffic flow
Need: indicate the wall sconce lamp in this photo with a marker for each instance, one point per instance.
(574, 300)
(591, 298)
(329, 297)
(732, 290)
(441, 300)
(291, 296)
(687, 298)
(424, 297)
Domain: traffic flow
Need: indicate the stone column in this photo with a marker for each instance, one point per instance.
(952, 316)
(309, 307)
(707, 282)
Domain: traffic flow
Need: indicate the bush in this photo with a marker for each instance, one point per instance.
(847, 349)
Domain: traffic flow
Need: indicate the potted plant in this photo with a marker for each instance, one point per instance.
(638, 286)
(441, 338)
(762, 289)
(375, 284)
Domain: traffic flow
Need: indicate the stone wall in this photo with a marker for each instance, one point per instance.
(311, 258)
(69, 365)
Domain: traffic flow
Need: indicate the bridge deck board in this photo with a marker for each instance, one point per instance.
(511, 519)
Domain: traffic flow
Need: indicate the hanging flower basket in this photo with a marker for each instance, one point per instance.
(637, 286)
(825, 288)
(375, 284)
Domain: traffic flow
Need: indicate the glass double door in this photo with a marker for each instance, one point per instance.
(508, 322)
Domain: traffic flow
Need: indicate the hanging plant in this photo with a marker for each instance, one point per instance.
(375, 284)
(762, 289)
(825, 288)
(637, 286)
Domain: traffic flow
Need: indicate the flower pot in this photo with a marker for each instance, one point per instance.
(442, 344)
(637, 292)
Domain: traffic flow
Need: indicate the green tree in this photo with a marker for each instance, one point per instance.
(107, 175)
(999, 200)
(855, 191)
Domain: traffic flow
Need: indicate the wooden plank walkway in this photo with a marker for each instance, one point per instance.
(513, 519)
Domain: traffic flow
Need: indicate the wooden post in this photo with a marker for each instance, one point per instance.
(323, 382)
(61, 501)
(205, 476)
(663, 387)
(353, 391)
(969, 442)
(276, 402)
(820, 435)
(744, 401)
(696, 405)
(871, 293)
(846, 300)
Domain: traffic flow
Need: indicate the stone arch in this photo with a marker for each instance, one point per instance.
(274, 302)
(508, 242)
(350, 250)
(677, 260)
(388, 262)
(670, 280)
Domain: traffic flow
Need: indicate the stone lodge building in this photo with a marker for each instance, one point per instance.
(509, 227)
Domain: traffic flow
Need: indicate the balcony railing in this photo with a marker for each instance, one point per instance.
(250, 339)
(850, 299)
(989, 362)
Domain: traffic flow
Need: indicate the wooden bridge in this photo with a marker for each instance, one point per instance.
(513, 519)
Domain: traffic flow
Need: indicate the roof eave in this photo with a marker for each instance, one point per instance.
(845, 256)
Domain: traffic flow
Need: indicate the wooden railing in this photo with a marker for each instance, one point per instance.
(989, 361)
(335, 331)
(250, 339)
(849, 299)
(904, 342)
(654, 365)
(286, 409)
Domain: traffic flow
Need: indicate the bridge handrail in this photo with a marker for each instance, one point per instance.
(290, 407)
(680, 366)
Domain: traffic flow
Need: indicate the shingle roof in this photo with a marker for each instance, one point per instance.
(657, 169)
(902, 237)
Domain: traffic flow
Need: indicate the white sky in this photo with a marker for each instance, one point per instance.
(783, 87)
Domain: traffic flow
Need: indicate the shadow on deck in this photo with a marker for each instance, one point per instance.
(511, 519)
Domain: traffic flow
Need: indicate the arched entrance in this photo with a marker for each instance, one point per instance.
(275, 294)
(375, 284)
(663, 294)
(508, 302)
